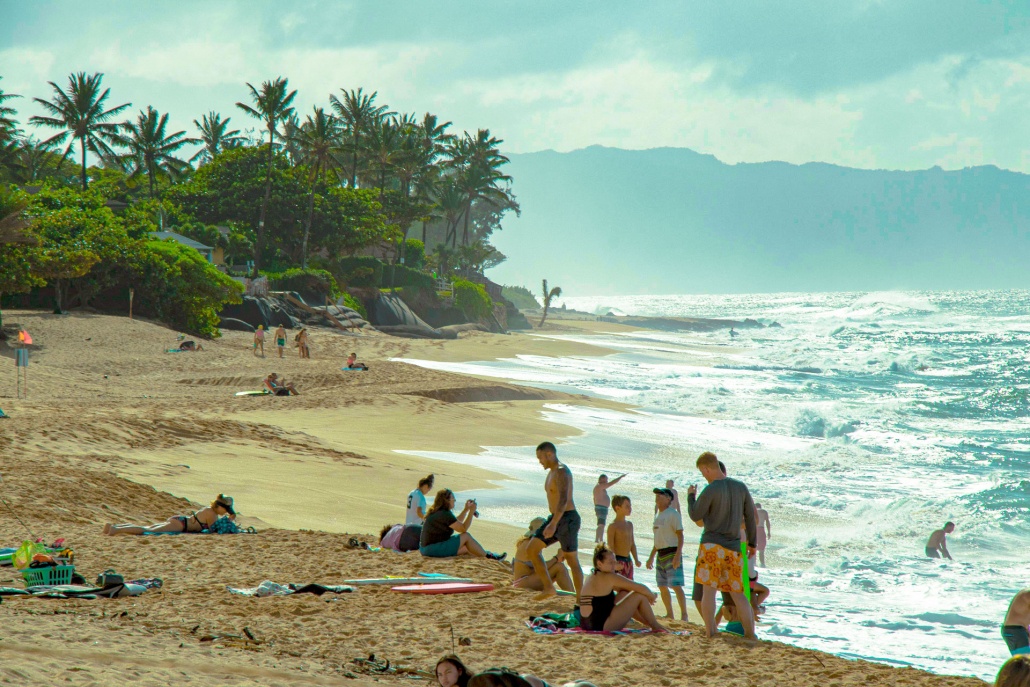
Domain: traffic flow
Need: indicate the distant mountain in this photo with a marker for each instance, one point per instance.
(670, 220)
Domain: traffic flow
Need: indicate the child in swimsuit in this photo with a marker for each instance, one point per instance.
(598, 609)
(177, 524)
(620, 537)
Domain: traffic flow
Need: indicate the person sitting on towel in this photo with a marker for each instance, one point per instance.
(279, 387)
(523, 575)
(190, 346)
(600, 612)
(203, 519)
(353, 364)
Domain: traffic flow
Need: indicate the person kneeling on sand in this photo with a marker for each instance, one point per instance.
(451, 672)
(280, 387)
(598, 609)
(445, 536)
(199, 521)
(523, 574)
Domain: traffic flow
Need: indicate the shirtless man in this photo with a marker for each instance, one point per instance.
(938, 544)
(764, 531)
(1017, 620)
(601, 503)
(562, 525)
(620, 537)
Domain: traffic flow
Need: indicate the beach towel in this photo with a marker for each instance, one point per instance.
(2, 414)
(269, 588)
(543, 626)
(219, 527)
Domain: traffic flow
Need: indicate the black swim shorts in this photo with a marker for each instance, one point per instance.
(1017, 639)
(566, 534)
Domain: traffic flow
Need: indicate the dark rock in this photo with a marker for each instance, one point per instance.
(235, 325)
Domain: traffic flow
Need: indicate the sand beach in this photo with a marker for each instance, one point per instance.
(115, 429)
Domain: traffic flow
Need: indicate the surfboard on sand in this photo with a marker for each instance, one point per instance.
(252, 393)
(407, 580)
(444, 588)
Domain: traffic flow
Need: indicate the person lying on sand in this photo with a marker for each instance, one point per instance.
(445, 536)
(401, 538)
(522, 572)
(1015, 627)
(190, 346)
(353, 364)
(451, 672)
(597, 605)
(937, 544)
(280, 387)
(201, 520)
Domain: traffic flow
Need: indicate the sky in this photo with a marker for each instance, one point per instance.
(896, 84)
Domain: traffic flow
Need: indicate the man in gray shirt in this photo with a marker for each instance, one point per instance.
(719, 564)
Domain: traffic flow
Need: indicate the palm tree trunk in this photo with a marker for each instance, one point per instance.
(260, 243)
(82, 144)
(546, 304)
(424, 234)
(307, 228)
(57, 297)
(354, 163)
(465, 233)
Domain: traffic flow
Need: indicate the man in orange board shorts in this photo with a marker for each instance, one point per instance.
(720, 507)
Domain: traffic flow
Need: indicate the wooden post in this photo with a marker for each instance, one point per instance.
(132, 293)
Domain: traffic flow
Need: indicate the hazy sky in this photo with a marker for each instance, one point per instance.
(868, 83)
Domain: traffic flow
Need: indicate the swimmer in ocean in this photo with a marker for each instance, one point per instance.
(937, 545)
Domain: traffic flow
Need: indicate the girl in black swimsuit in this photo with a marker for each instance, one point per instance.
(201, 520)
(598, 609)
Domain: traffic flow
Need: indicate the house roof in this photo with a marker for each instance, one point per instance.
(179, 238)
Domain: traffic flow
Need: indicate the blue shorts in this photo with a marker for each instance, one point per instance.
(448, 548)
(665, 574)
(602, 514)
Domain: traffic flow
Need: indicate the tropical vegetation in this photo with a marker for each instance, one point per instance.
(295, 199)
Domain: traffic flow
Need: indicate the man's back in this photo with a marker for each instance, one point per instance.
(721, 506)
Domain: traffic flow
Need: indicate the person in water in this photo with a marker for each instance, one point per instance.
(1014, 630)
(601, 503)
(598, 609)
(522, 572)
(937, 545)
(561, 526)
(764, 531)
(203, 519)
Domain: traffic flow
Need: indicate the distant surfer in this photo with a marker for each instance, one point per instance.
(732, 333)
(1017, 620)
(937, 545)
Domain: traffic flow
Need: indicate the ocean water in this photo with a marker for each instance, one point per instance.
(861, 423)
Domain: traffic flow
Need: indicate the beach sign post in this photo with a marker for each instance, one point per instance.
(132, 293)
(21, 362)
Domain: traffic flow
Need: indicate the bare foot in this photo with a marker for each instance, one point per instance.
(546, 594)
(107, 528)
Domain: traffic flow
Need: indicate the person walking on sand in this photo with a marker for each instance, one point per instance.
(601, 504)
(937, 544)
(1014, 630)
(280, 340)
(764, 531)
(720, 507)
(259, 340)
(417, 501)
(668, 549)
(671, 486)
(620, 537)
(302, 343)
(562, 525)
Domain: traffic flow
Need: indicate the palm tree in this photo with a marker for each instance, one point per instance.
(79, 110)
(8, 125)
(549, 295)
(477, 161)
(151, 150)
(317, 143)
(215, 137)
(272, 105)
(31, 160)
(358, 112)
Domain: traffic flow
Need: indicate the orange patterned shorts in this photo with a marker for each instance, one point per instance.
(719, 567)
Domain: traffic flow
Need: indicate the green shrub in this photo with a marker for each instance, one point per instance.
(304, 281)
(181, 288)
(407, 277)
(354, 304)
(414, 254)
(472, 299)
(358, 271)
(521, 297)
